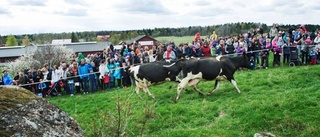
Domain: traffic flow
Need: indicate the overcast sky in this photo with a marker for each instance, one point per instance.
(55, 16)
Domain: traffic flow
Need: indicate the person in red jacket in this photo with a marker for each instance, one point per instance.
(205, 48)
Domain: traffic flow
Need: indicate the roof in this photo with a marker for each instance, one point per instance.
(14, 51)
(88, 46)
(138, 38)
(17, 51)
(60, 41)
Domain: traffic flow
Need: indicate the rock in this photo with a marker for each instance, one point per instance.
(23, 114)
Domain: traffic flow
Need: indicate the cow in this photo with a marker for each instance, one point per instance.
(220, 68)
(151, 73)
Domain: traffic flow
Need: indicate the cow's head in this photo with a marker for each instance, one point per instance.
(174, 67)
(245, 61)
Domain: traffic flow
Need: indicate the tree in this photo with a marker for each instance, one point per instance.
(74, 37)
(11, 41)
(114, 38)
(36, 56)
(124, 35)
(25, 41)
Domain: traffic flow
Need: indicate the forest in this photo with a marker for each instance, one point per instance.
(123, 35)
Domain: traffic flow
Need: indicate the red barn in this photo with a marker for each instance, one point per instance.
(143, 40)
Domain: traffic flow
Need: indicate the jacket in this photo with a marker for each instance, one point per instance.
(7, 80)
(42, 86)
(83, 71)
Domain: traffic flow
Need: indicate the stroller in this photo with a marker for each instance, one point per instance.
(53, 89)
(294, 57)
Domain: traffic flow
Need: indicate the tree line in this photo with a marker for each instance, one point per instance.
(117, 36)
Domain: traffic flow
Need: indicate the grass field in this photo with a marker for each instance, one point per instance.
(177, 40)
(284, 101)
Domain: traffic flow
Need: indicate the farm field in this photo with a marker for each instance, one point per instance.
(284, 101)
(177, 40)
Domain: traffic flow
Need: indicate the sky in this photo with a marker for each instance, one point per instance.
(20, 17)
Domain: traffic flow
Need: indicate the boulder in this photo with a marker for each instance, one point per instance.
(24, 114)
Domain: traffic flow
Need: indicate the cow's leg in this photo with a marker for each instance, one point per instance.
(148, 92)
(193, 83)
(234, 83)
(138, 91)
(181, 86)
(216, 86)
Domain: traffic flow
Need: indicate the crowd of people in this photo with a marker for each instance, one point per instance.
(109, 69)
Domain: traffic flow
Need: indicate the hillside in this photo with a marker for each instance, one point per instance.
(283, 101)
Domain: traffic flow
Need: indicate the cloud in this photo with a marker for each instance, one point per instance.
(28, 2)
(76, 2)
(4, 11)
(73, 12)
(142, 6)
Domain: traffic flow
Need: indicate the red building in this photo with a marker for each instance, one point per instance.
(143, 40)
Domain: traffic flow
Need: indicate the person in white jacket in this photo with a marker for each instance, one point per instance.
(103, 69)
(55, 77)
(317, 41)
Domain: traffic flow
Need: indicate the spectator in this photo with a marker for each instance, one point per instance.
(229, 48)
(197, 52)
(7, 80)
(56, 75)
(37, 78)
(103, 70)
(15, 78)
(117, 74)
(146, 57)
(219, 47)
(125, 75)
(64, 76)
(169, 55)
(83, 71)
(286, 50)
(304, 49)
(205, 48)
(21, 79)
(188, 50)
(70, 80)
(313, 55)
(111, 66)
(76, 81)
(42, 88)
(316, 41)
(139, 50)
(93, 81)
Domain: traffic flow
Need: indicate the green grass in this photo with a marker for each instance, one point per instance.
(284, 101)
(177, 40)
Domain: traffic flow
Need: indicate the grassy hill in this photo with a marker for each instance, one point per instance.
(284, 101)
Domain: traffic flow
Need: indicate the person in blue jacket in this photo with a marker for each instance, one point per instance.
(117, 74)
(83, 71)
(7, 80)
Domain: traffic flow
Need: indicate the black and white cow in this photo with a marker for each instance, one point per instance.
(219, 68)
(147, 74)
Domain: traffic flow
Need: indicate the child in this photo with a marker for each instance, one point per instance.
(70, 81)
(313, 55)
(76, 81)
(124, 75)
(264, 57)
(117, 74)
(106, 81)
(42, 88)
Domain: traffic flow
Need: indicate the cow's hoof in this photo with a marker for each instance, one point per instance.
(200, 94)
